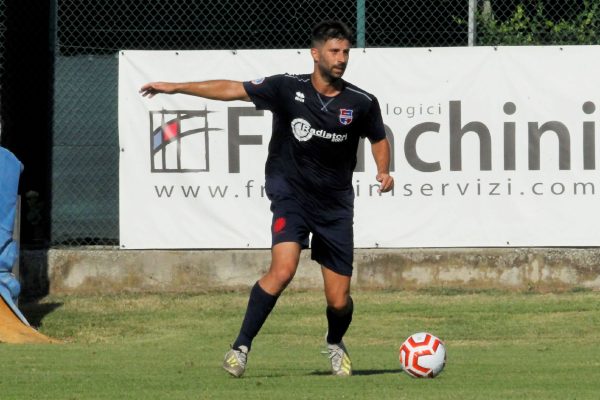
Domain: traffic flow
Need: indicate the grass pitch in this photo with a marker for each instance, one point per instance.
(500, 345)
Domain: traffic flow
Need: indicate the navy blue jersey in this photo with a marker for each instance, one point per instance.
(315, 138)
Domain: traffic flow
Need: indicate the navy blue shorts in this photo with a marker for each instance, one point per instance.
(332, 241)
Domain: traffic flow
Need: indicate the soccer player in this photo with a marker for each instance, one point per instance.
(318, 119)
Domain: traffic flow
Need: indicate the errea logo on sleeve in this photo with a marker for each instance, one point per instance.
(300, 97)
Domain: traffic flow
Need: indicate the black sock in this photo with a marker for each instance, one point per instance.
(259, 307)
(338, 322)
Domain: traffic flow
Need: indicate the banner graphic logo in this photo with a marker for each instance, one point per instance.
(179, 140)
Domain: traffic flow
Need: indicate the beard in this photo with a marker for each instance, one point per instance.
(332, 74)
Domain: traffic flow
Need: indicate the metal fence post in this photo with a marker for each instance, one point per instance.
(360, 23)
(472, 25)
(53, 21)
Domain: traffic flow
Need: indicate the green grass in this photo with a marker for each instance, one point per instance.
(500, 345)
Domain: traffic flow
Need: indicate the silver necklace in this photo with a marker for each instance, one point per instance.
(323, 104)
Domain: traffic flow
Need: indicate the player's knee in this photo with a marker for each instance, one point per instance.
(283, 275)
(340, 304)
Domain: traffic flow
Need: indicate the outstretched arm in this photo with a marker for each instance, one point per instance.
(214, 90)
(381, 154)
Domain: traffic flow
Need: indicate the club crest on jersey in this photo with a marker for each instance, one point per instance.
(345, 116)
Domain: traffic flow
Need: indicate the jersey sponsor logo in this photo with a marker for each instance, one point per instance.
(345, 116)
(300, 97)
(303, 132)
(258, 81)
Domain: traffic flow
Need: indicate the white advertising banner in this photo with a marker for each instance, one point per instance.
(492, 147)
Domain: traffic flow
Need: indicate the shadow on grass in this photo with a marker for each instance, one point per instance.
(361, 372)
(35, 312)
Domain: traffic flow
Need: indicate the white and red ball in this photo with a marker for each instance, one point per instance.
(423, 355)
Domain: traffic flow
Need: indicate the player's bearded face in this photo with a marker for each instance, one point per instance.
(332, 58)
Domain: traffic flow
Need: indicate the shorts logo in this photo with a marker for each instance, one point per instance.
(303, 132)
(258, 81)
(278, 225)
(345, 116)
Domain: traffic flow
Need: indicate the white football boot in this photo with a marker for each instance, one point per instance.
(235, 361)
(340, 360)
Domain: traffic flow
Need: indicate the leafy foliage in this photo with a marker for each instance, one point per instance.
(527, 27)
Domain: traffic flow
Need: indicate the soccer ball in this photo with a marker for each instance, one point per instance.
(423, 355)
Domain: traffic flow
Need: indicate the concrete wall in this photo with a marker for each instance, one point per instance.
(110, 270)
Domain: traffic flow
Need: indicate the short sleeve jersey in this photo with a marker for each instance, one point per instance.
(315, 138)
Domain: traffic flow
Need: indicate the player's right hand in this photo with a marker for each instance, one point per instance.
(152, 88)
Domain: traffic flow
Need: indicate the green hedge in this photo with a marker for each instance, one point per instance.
(534, 27)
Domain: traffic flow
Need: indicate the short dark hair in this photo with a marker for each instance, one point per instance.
(326, 30)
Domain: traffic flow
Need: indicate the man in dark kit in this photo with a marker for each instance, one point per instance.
(318, 120)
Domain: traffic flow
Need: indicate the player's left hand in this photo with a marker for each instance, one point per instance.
(386, 182)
